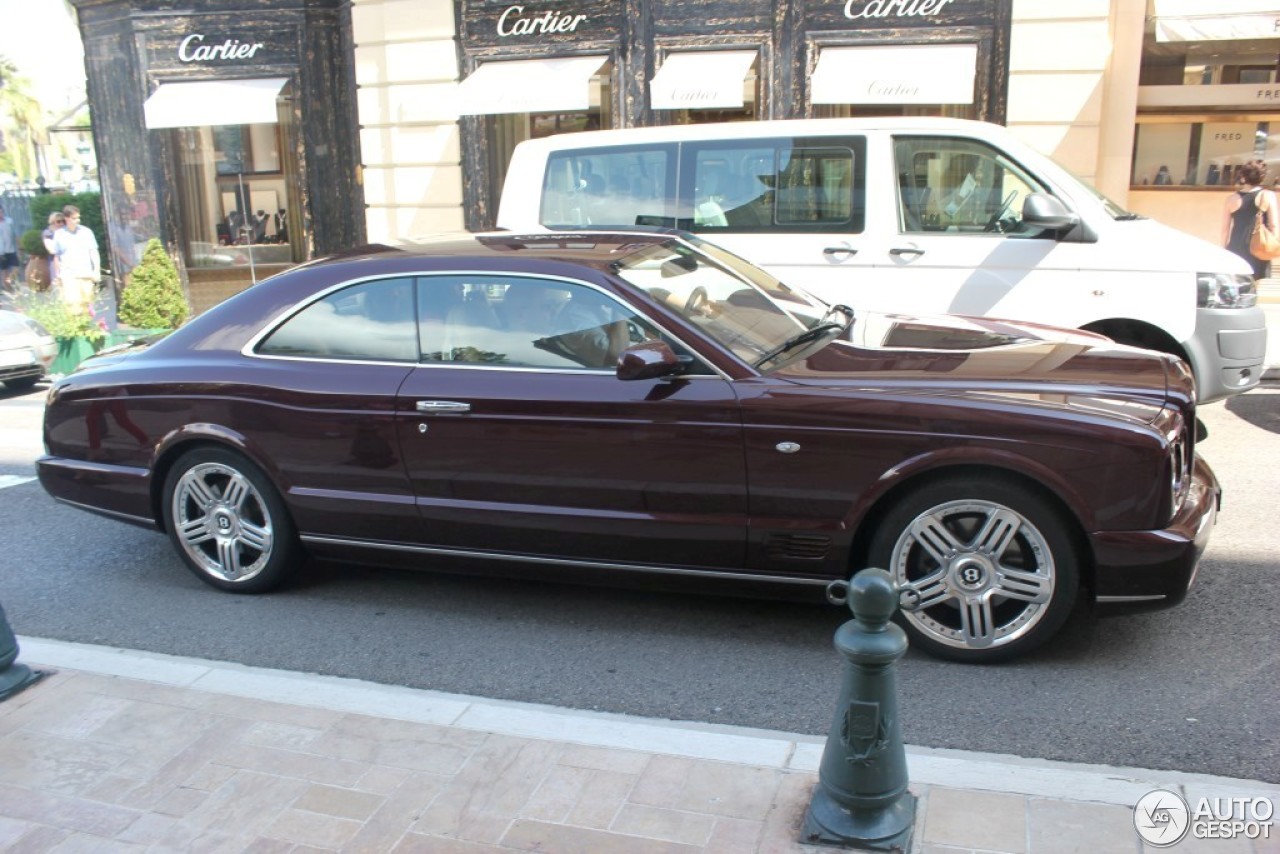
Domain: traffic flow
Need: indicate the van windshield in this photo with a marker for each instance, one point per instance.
(1113, 210)
(738, 305)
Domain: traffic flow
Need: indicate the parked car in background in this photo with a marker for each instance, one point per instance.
(26, 350)
(920, 215)
(651, 405)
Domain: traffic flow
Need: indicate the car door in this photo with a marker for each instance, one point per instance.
(954, 240)
(796, 206)
(520, 439)
(321, 407)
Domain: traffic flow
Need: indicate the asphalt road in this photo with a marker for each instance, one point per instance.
(1191, 689)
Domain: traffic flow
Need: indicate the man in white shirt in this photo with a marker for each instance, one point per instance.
(79, 262)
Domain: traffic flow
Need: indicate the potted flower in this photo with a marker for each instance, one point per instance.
(79, 335)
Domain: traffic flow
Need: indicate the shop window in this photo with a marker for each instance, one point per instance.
(953, 185)
(238, 193)
(1201, 154)
(506, 131)
(373, 321)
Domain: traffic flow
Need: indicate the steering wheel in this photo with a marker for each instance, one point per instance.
(996, 223)
(699, 301)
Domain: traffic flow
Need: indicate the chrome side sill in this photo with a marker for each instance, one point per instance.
(586, 564)
(1117, 599)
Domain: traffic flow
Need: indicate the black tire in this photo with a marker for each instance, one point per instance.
(22, 383)
(989, 566)
(228, 523)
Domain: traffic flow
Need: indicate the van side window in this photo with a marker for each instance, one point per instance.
(960, 186)
(617, 186)
(774, 186)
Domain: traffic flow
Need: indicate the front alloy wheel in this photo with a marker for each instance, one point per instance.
(984, 571)
(227, 522)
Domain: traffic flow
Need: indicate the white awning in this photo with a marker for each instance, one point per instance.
(214, 102)
(1200, 20)
(561, 85)
(907, 74)
(704, 79)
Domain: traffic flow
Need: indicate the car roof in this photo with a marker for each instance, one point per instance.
(598, 249)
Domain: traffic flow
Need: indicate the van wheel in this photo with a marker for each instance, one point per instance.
(228, 522)
(985, 569)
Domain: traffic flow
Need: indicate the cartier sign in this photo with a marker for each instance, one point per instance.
(854, 9)
(194, 48)
(514, 22)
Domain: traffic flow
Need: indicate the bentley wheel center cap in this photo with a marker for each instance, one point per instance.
(970, 573)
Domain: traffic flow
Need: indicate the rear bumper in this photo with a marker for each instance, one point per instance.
(1155, 569)
(120, 492)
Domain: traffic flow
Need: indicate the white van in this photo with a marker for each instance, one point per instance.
(922, 216)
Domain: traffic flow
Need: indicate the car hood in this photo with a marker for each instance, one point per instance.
(982, 356)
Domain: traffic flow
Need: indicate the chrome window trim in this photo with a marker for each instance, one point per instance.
(573, 562)
(250, 349)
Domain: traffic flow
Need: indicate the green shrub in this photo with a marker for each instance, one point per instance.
(32, 243)
(153, 298)
(52, 313)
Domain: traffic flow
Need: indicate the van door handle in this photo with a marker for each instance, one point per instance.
(906, 250)
(431, 407)
(839, 250)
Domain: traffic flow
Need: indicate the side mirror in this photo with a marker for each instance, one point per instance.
(648, 361)
(1045, 211)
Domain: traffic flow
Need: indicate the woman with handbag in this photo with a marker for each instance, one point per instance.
(1248, 209)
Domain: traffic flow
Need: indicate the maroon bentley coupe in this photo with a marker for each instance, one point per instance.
(646, 403)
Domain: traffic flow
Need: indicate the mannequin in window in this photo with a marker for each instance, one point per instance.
(282, 226)
(236, 226)
(1163, 178)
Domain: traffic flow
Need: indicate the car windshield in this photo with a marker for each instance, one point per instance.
(738, 305)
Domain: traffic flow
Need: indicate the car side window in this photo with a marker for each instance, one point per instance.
(952, 185)
(775, 186)
(371, 321)
(617, 186)
(513, 321)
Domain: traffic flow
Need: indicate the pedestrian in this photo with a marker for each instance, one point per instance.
(1241, 212)
(79, 262)
(56, 222)
(8, 254)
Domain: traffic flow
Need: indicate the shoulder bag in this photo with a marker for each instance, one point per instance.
(1263, 244)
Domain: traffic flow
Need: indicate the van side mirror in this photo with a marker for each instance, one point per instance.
(1045, 211)
(648, 361)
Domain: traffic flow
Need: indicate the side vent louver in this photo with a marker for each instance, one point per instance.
(797, 547)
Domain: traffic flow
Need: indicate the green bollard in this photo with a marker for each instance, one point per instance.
(13, 677)
(861, 799)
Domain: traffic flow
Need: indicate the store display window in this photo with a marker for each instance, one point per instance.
(1201, 154)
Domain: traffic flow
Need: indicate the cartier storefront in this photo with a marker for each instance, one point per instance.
(226, 129)
(535, 68)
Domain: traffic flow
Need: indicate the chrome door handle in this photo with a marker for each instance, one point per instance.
(906, 250)
(432, 407)
(839, 250)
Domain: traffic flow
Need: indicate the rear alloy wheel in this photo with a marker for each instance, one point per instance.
(984, 568)
(228, 522)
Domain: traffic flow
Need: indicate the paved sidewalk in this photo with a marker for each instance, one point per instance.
(127, 751)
